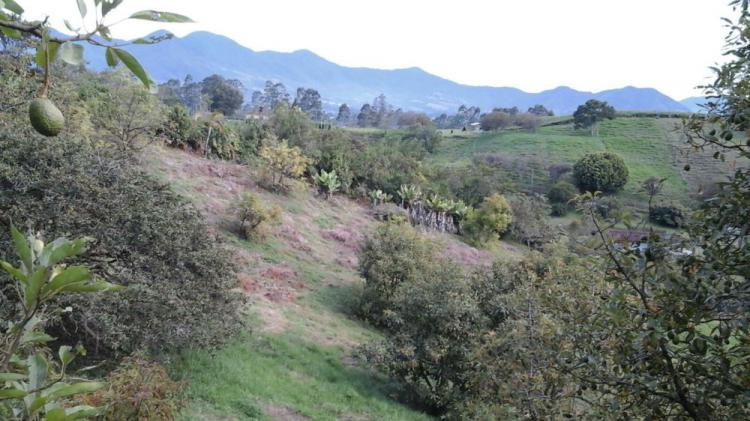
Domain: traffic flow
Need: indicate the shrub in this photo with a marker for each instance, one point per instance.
(252, 215)
(139, 389)
(530, 224)
(528, 121)
(179, 281)
(390, 212)
(561, 192)
(607, 206)
(394, 255)
(178, 129)
(489, 221)
(559, 209)
(496, 120)
(601, 171)
(282, 161)
(669, 216)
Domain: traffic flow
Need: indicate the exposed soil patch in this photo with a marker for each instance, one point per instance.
(282, 413)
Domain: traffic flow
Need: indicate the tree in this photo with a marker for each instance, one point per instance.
(489, 221)
(652, 186)
(308, 100)
(224, 96)
(590, 114)
(527, 121)
(251, 215)
(282, 161)
(69, 48)
(602, 171)
(496, 120)
(344, 115)
(540, 110)
(367, 116)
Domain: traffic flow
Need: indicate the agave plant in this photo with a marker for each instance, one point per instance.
(32, 385)
(409, 194)
(328, 182)
(379, 197)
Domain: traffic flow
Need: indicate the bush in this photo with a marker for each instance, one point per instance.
(530, 224)
(139, 389)
(251, 215)
(178, 279)
(601, 171)
(394, 255)
(489, 221)
(282, 162)
(668, 216)
(606, 206)
(559, 209)
(178, 129)
(496, 120)
(390, 212)
(561, 192)
(528, 121)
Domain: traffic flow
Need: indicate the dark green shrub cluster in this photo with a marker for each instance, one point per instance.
(489, 221)
(530, 225)
(669, 216)
(148, 239)
(602, 171)
(560, 195)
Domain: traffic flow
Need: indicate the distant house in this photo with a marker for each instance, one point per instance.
(476, 126)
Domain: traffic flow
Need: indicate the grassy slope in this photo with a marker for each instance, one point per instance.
(650, 147)
(296, 363)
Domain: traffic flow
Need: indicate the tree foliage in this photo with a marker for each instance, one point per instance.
(489, 221)
(590, 114)
(602, 171)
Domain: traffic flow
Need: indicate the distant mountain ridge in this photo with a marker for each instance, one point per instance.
(202, 54)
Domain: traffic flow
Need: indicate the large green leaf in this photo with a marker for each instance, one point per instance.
(15, 273)
(11, 377)
(94, 286)
(36, 337)
(12, 394)
(60, 249)
(22, 248)
(133, 65)
(156, 16)
(72, 53)
(105, 33)
(154, 39)
(41, 55)
(111, 57)
(70, 275)
(38, 370)
(56, 414)
(81, 412)
(65, 354)
(31, 292)
(74, 389)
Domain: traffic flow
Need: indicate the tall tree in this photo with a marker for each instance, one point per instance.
(308, 100)
(590, 114)
(224, 96)
(344, 116)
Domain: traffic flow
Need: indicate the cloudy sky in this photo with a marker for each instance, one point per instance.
(529, 44)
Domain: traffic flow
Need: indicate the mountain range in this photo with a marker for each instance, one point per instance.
(202, 54)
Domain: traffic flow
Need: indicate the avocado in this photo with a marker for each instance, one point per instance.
(45, 117)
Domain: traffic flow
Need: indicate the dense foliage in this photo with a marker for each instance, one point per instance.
(602, 171)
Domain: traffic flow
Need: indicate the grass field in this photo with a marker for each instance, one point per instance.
(650, 147)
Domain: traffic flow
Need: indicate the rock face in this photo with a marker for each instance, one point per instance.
(45, 117)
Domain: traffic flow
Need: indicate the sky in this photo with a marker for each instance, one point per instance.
(532, 45)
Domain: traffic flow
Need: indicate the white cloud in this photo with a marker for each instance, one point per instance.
(528, 44)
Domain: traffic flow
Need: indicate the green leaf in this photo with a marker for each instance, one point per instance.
(74, 389)
(11, 33)
(154, 39)
(66, 356)
(37, 403)
(109, 5)
(56, 414)
(82, 8)
(22, 248)
(72, 53)
(95, 286)
(31, 292)
(12, 394)
(132, 64)
(154, 16)
(60, 249)
(11, 377)
(71, 275)
(41, 56)
(38, 368)
(36, 337)
(15, 273)
(13, 6)
(111, 57)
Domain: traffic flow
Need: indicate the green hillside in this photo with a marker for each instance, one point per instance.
(651, 147)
